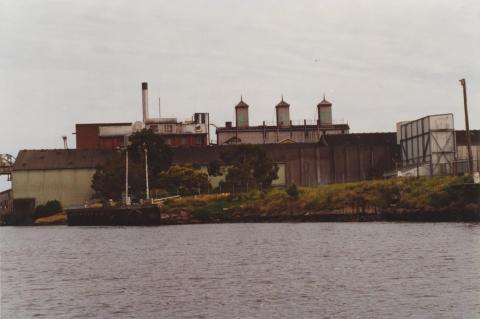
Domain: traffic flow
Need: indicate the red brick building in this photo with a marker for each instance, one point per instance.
(101, 135)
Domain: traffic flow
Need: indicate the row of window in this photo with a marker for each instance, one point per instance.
(198, 140)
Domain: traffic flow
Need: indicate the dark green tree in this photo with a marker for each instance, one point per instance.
(184, 180)
(108, 182)
(214, 168)
(292, 191)
(51, 207)
(159, 154)
(250, 167)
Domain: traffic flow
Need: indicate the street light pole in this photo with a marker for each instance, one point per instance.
(127, 202)
(146, 170)
(467, 127)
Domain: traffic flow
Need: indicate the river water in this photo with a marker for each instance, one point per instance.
(288, 270)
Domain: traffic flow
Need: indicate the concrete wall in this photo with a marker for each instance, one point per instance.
(69, 186)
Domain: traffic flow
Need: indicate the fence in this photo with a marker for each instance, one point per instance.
(458, 167)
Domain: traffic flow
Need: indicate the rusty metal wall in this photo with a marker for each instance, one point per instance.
(346, 158)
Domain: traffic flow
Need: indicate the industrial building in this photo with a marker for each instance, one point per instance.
(338, 158)
(194, 131)
(66, 175)
(63, 175)
(6, 201)
(283, 131)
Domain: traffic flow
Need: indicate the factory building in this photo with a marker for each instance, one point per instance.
(283, 131)
(194, 131)
(63, 175)
(101, 135)
(6, 202)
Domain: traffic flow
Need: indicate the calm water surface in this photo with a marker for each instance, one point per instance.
(310, 270)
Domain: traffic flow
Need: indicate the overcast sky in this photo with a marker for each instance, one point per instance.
(378, 62)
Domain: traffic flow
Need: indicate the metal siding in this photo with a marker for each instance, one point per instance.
(441, 122)
(115, 130)
(426, 136)
(86, 137)
(69, 186)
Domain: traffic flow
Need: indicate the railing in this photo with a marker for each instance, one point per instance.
(302, 122)
(458, 167)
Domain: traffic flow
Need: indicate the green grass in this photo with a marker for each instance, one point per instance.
(377, 195)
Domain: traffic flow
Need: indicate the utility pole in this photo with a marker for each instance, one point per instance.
(467, 127)
(127, 202)
(146, 169)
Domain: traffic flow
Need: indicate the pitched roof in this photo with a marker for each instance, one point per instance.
(324, 102)
(60, 159)
(282, 103)
(241, 104)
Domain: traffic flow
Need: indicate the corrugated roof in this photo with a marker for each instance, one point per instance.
(60, 159)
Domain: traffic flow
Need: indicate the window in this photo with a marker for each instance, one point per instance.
(154, 128)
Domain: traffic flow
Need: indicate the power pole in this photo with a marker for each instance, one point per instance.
(127, 202)
(146, 170)
(467, 127)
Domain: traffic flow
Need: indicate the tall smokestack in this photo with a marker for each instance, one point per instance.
(145, 101)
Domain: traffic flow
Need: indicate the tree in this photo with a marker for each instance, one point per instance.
(108, 182)
(214, 168)
(250, 167)
(184, 180)
(159, 154)
(292, 191)
(51, 207)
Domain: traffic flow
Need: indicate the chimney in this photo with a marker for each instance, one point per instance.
(145, 101)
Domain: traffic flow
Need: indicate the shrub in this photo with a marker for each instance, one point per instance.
(292, 191)
(211, 211)
(50, 208)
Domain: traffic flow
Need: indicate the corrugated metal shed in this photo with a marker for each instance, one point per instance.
(60, 159)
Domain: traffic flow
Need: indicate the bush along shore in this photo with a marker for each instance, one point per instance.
(400, 199)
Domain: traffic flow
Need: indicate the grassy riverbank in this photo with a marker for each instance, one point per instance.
(400, 199)
(437, 198)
